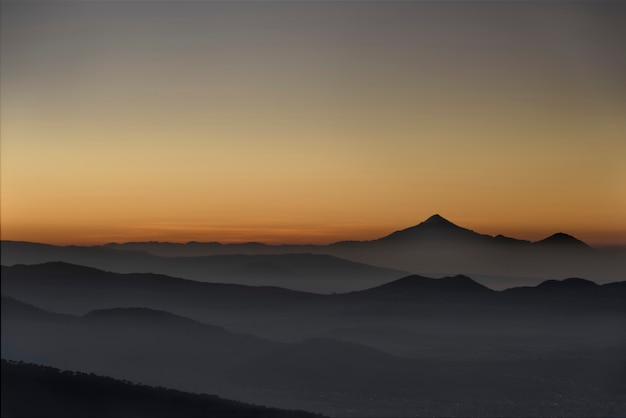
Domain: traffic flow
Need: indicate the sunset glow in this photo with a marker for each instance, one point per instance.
(295, 122)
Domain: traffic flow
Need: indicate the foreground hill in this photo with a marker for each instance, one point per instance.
(30, 390)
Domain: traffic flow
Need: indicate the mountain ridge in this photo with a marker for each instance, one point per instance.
(434, 221)
(435, 247)
(76, 292)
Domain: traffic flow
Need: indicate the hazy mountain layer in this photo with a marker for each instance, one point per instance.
(544, 365)
(77, 289)
(316, 273)
(435, 247)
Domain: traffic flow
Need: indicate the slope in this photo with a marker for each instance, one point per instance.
(39, 391)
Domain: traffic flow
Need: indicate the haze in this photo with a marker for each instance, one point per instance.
(311, 121)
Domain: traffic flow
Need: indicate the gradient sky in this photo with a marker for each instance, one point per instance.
(311, 121)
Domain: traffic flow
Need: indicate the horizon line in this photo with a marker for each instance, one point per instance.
(102, 240)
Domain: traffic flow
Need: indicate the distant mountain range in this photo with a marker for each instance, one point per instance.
(435, 247)
(432, 230)
(309, 272)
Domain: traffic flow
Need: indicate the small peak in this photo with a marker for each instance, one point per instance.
(561, 239)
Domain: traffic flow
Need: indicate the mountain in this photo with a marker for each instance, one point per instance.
(411, 285)
(432, 230)
(140, 344)
(39, 391)
(266, 312)
(436, 228)
(307, 272)
(575, 294)
(72, 289)
(562, 241)
(573, 283)
(435, 247)
(438, 247)
(412, 295)
(69, 288)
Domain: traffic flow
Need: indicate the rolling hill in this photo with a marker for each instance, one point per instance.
(38, 391)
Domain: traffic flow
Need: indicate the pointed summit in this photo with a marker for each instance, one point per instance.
(437, 220)
(439, 223)
(434, 228)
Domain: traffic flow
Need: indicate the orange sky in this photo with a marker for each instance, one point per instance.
(310, 122)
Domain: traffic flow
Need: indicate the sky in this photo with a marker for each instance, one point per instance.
(310, 122)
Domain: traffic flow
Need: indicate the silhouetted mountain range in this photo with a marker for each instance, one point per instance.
(77, 289)
(435, 247)
(30, 390)
(385, 343)
(311, 272)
